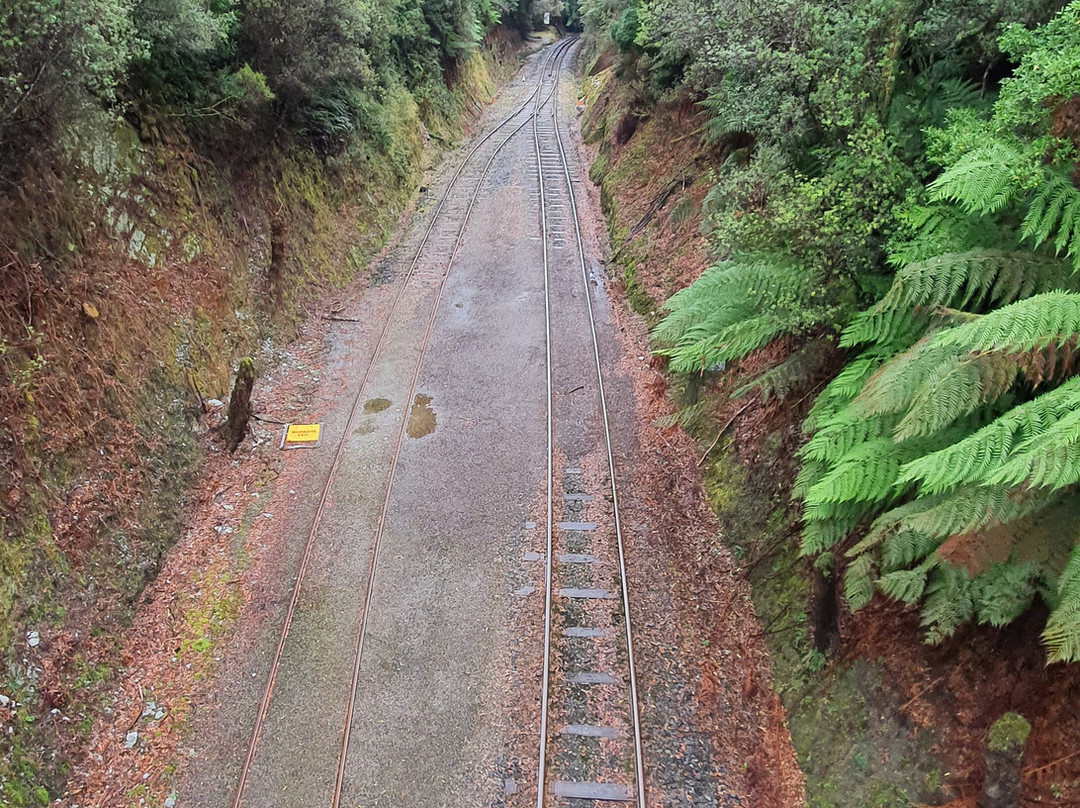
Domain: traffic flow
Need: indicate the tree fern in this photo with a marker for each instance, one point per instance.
(904, 547)
(1062, 633)
(777, 382)
(844, 387)
(1049, 460)
(844, 431)
(982, 181)
(976, 456)
(864, 474)
(973, 280)
(906, 585)
(1004, 592)
(956, 387)
(858, 583)
(735, 308)
(947, 603)
(1034, 323)
(1055, 211)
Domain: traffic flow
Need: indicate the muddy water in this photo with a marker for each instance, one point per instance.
(421, 417)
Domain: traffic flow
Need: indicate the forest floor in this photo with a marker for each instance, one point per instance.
(195, 656)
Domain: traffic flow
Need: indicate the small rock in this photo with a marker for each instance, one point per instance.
(170, 801)
(4, 700)
(33, 639)
(214, 402)
(131, 739)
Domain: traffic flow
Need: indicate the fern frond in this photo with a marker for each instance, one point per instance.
(1050, 459)
(840, 434)
(948, 602)
(966, 509)
(893, 385)
(1033, 323)
(982, 181)
(956, 387)
(1055, 208)
(906, 585)
(905, 547)
(844, 387)
(973, 280)
(972, 459)
(1062, 633)
(936, 230)
(835, 522)
(699, 349)
(808, 475)
(777, 382)
(858, 584)
(865, 474)
(1004, 592)
(734, 308)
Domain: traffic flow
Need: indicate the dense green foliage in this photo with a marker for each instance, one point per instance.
(315, 71)
(903, 177)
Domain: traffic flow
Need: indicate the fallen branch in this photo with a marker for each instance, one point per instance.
(724, 429)
(1051, 764)
(337, 319)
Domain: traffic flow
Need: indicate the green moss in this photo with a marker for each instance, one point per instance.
(1008, 733)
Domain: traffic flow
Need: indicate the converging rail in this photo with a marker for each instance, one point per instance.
(590, 737)
(424, 279)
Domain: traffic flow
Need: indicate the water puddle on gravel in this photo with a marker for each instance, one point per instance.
(374, 405)
(421, 418)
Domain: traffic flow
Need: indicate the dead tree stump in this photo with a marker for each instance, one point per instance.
(1004, 758)
(240, 405)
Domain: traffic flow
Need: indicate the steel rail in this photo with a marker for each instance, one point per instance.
(639, 769)
(639, 763)
(541, 771)
(309, 543)
(556, 55)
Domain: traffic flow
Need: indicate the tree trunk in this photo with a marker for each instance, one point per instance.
(240, 405)
(1004, 758)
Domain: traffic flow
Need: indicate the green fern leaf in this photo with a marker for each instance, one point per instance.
(1049, 460)
(1062, 633)
(1004, 592)
(844, 387)
(905, 547)
(794, 372)
(846, 430)
(906, 585)
(947, 603)
(972, 459)
(982, 181)
(973, 280)
(865, 474)
(858, 584)
(1034, 323)
(956, 387)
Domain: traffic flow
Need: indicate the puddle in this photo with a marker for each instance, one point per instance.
(365, 428)
(374, 405)
(421, 418)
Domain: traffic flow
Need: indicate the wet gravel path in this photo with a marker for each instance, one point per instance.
(446, 703)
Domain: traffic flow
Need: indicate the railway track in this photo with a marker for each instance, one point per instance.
(590, 748)
(266, 777)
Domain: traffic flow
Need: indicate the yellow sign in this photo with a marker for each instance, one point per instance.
(301, 435)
